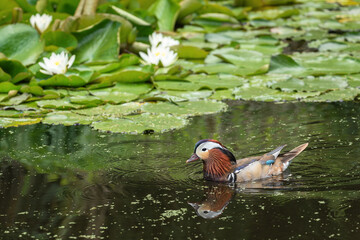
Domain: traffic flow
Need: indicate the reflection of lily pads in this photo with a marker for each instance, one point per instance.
(185, 108)
(139, 123)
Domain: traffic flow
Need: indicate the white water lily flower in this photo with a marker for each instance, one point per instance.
(157, 39)
(41, 22)
(56, 64)
(159, 54)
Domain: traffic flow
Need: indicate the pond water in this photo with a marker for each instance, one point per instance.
(76, 183)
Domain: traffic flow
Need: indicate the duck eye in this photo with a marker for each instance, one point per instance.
(204, 149)
(206, 212)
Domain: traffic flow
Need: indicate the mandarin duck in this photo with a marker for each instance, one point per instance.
(220, 165)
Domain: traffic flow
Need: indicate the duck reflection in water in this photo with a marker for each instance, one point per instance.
(218, 195)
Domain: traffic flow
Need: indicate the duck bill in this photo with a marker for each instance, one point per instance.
(193, 158)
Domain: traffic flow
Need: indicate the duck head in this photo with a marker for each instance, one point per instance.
(217, 159)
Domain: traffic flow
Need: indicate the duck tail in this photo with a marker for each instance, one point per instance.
(287, 157)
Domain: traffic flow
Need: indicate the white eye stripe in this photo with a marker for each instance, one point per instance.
(208, 146)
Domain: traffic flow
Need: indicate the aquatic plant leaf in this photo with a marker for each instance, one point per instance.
(112, 96)
(192, 108)
(223, 94)
(128, 75)
(56, 39)
(99, 43)
(89, 101)
(318, 64)
(221, 81)
(68, 118)
(13, 71)
(20, 42)
(166, 12)
(311, 84)
(125, 60)
(60, 80)
(113, 111)
(15, 122)
(177, 85)
(347, 94)
(138, 124)
(214, 68)
(16, 100)
(5, 87)
(190, 52)
(285, 65)
(61, 104)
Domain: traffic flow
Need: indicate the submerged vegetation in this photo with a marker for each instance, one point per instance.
(92, 62)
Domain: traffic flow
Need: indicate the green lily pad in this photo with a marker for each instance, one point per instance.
(60, 80)
(98, 43)
(5, 87)
(54, 40)
(223, 94)
(20, 42)
(221, 81)
(13, 71)
(285, 65)
(68, 118)
(312, 84)
(128, 75)
(190, 52)
(15, 122)
(166, 12)
(347, 94)
(323, 64)
(138, 124)
(113, 96)
(248, 62)
(113, 111)
(18, 99)
(177, 85)
(125, 60)
(61, 104)
(89, 101)
(215, 68)
(185, 108)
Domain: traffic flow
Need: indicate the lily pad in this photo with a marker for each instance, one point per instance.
(190, 52)
(20, 42)
(138, 124)
(185, 108)
(221, 81)
(113, 96)
(113, 111)
(68, 118)
(61, 104)
(56, 39)
(347, 94)
(312, 84)
(15, 122)
(99, 43)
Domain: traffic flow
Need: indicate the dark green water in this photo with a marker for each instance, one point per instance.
(75, 183)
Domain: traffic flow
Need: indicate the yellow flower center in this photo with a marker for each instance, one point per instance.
(57, 63)
(157, 53)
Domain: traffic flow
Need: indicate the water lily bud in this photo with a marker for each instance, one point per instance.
(12, 93)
